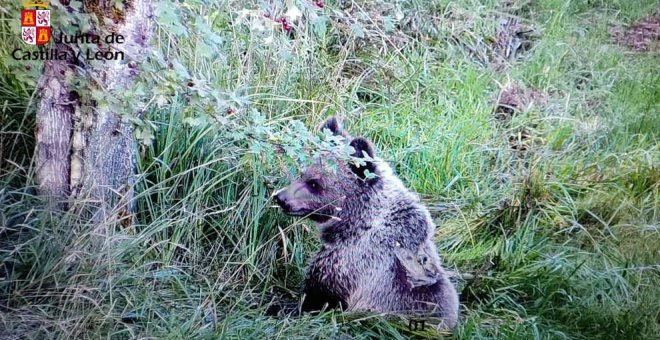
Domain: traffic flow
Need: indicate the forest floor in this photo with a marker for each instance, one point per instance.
(530, 129)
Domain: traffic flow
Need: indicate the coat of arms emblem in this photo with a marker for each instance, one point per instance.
(35, 23)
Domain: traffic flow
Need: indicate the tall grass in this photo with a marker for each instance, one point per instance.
(558, 241)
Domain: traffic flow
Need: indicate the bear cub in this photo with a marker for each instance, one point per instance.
(377, 250)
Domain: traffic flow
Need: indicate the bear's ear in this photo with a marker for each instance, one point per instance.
(334, 125)
(363, 147)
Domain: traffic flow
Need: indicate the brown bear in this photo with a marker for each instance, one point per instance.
(377, 250)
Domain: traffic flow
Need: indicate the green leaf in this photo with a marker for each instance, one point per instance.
(168, 18)
(194, 121)
(181, 70)
(388, 24)
(160, 101)
(358, 30)
(204, 50)
(146, 136)
(320, 27)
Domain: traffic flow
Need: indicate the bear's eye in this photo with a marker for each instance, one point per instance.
(313, 184)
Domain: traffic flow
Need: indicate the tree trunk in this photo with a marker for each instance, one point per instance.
(53, 131)
(85, 151)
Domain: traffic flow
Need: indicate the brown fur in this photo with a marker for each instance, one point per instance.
(377, 249)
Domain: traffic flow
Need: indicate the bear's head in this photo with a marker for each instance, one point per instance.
(322, 192)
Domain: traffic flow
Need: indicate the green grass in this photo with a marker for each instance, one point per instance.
(558, 241)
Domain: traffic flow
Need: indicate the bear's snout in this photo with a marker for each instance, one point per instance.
(289, 204)
(279, 199)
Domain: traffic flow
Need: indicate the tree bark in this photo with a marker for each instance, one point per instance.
(53, 131)
(88, 152)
